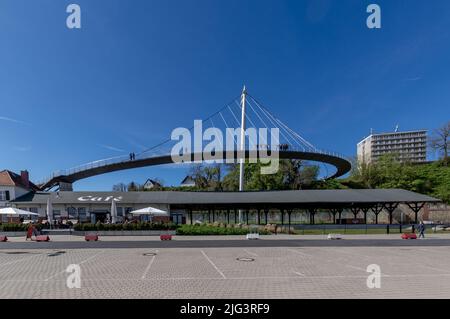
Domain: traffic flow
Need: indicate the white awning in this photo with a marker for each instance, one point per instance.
(150, 211)
(15, 212)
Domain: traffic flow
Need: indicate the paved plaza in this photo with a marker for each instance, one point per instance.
(270, 271)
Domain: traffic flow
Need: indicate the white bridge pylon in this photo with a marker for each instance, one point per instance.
(242, 147)
(253, 117)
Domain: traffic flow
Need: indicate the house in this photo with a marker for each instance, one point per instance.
(188, 181)
(13, 186)
(151, 184)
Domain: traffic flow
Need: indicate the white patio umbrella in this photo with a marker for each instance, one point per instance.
(49, 211)
(113, 212)
(150, 211)
(15, 212)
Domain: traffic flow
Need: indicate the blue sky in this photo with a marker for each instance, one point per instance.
(138, 69)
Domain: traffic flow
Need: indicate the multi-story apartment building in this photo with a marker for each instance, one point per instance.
(409, 146)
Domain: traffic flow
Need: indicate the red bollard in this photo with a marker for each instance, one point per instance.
(91, 237)
(165, 237)
(42, 238)
(409, 236)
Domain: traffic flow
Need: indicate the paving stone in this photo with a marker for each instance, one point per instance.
(275, 272)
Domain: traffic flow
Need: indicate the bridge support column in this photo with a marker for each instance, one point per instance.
(65, 187)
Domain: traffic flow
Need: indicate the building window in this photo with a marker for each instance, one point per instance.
(82, 213)
(72, 212)
(33, 210)
(4, 196)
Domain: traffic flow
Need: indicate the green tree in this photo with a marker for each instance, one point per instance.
(292, 174)
(431, 179)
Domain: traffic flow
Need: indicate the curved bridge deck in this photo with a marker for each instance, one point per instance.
(341, 164)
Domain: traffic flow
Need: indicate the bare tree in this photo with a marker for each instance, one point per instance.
(207, 177)
(121, 187)
(440, 140)
(133, 187)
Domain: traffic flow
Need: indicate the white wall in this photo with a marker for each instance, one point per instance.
(14, 192)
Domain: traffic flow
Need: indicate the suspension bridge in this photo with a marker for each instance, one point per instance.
(252, 114)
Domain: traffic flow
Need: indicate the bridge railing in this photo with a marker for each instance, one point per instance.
(97, 164)
(146, 155)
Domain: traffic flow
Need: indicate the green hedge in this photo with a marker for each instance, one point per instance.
(198, 230)
(130, 226)
(17, 227)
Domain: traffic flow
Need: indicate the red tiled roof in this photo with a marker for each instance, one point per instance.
(8, 178)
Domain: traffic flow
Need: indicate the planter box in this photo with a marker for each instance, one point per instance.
(252, 236)
(334, 236)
